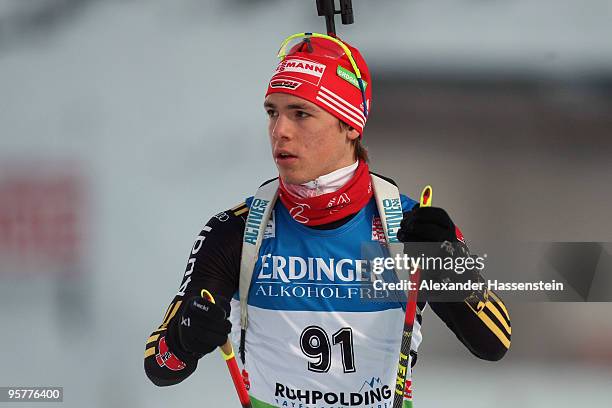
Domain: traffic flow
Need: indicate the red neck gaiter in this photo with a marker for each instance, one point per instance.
(330, 207)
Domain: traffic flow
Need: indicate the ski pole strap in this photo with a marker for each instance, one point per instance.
(241, 348)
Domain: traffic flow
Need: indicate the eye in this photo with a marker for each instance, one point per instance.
(301, 114)
(271, 113)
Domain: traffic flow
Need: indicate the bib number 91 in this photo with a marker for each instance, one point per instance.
(315, 344)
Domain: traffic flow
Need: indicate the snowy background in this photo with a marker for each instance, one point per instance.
(151, 111)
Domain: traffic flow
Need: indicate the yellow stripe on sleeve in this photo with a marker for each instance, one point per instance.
(239, 212)
(176, 307)
(149, 352)
(500, 335)
(167, 311)
(152, 338)
(499, 317)
(500, 303)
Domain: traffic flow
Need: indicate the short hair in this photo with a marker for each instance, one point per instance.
(360, 152)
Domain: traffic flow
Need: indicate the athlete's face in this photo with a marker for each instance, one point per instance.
(307, 142)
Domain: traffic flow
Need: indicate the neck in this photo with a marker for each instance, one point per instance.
(327, 183)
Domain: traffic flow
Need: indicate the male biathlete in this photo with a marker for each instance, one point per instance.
(315, 336)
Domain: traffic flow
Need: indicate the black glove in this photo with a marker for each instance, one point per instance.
(203, 326)
(427, 224)
(430, 232)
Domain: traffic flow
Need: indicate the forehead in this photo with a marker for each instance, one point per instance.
(283, 100)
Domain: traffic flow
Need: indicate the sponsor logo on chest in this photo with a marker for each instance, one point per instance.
(295, 268)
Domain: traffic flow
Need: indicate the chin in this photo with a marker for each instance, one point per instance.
(292, 178)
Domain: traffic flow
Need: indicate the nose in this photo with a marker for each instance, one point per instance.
(282, 128)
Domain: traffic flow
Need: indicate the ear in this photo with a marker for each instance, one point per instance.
(351, 133)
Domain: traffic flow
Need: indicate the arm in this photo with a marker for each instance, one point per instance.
(214, 264)
(481, 323)
(480, 320)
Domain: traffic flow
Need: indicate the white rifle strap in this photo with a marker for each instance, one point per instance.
(259, 215)
(389, 207)
(390, 210)
(391, 214)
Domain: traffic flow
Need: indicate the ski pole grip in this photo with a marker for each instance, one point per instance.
(227, 351)
(426, 196)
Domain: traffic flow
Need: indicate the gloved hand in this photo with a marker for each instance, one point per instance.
(427, 224)
(430, 232)
(203, 326)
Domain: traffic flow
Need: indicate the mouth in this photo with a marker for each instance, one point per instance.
(285, 157)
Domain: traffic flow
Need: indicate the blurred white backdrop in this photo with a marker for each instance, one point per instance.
(156, 106)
